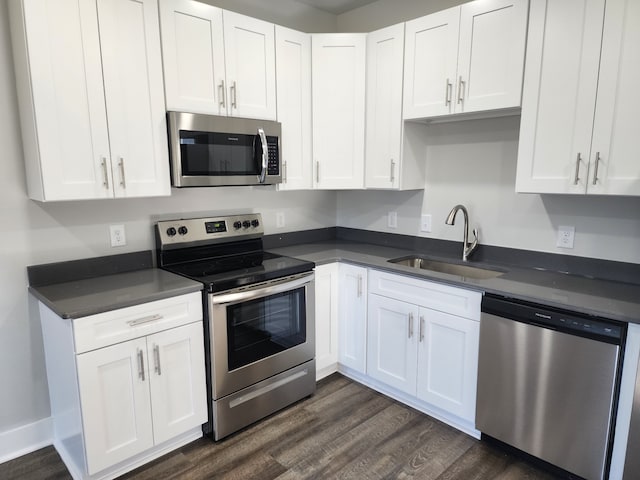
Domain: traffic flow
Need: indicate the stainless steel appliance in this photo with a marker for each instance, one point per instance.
(548, 383)
(259, 307)
(209, 150)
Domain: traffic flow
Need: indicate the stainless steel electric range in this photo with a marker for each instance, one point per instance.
(259, 316)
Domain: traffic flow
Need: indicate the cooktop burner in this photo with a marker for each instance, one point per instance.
(222, 252)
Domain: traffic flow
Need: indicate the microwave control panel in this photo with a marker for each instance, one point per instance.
(273, 162)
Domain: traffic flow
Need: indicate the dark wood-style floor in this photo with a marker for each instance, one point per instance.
(345, 431)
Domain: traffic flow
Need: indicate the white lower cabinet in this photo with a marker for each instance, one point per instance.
(422, 340)
(131, 392)
(352, 317)
(326, 278)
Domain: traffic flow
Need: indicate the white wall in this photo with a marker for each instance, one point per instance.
(474, 163)
(34, 233)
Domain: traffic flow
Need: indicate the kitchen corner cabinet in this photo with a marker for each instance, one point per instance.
(465, 59)
(352, 317)
(326, 279)
(338, 99)
(388, 163)
(423, 339)
(577, 136)
(90, 92)
(293, 75)
(216, 61)
(126, 386)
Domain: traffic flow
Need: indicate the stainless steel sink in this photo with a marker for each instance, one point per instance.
(445, 267)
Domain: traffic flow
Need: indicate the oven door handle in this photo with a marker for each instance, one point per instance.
(262, 291)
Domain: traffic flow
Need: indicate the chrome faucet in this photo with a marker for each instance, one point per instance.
(467, 248)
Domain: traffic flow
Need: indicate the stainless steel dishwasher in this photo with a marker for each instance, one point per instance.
(548, 383)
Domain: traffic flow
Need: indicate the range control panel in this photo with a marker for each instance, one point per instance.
(209, 229)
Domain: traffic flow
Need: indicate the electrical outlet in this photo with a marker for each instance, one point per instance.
(566, 236)
(118, 238)
(392, 220)
(425, 223)
(280, 221)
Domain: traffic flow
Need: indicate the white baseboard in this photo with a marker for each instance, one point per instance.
(25, 439)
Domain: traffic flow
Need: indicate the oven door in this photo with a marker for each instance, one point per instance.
(259, 331)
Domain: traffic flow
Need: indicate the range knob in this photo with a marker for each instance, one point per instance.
(255, 223)
(237, 225)
(182, 230)
(246, 224)
(171, 231)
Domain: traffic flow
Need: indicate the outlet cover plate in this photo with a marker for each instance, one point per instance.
(425, 223)
(566, 235)
(392, 220)
(118, 238)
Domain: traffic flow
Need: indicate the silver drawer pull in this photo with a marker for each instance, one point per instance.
(140, 321)
(410, 325)
(576, 177)
(421, 328)
(595, 173)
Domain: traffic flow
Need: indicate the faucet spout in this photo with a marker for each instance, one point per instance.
(467, 248)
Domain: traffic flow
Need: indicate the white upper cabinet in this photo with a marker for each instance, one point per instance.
(193, 57)
(73, 149)
(465, 59)
(338, 76)
(250, 66)
(615, 151)
(293, 75)
(217, 62)
(395, 152)
(577, 135)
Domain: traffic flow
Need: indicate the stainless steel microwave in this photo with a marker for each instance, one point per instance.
(209, 150)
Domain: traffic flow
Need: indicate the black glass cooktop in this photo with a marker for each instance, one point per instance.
(232, 271)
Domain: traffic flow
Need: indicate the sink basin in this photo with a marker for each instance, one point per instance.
(466, 271)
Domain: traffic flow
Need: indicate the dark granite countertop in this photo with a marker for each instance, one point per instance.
(85, 287)
(610, 299)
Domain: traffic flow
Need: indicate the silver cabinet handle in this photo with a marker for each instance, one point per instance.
(392, 175)
(576, 177)
(233, 92)
(156, 357)
(222, 93)
(359, 286)
(595, 172)
(141, 365)
(461, 85)
(265, 154)
(104, 172)
(317, 171)
(421, 328)
(410, 325)
(140, 321)
(447, 93)
(123, 181)
(284, 172)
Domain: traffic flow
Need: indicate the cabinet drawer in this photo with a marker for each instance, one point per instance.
(97, 331)
(444, 298)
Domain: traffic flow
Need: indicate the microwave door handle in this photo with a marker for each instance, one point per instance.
(265, 154)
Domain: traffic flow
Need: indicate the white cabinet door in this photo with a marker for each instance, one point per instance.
(61, 95)
(338, 80)
(326, 279)
(392, 346)
(193, 56)
(491, 58)
(615, 133)
(177, 374)
(250, 66)
(132, 68)
(352, 317)
(115, 402)
(293, 71)
(561, 76)
(448, 362)
(431, 54)
(385, 54)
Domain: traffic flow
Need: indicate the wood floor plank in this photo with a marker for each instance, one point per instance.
(344, 431)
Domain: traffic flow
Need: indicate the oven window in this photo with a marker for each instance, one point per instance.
(218, 154)
(260, 328)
